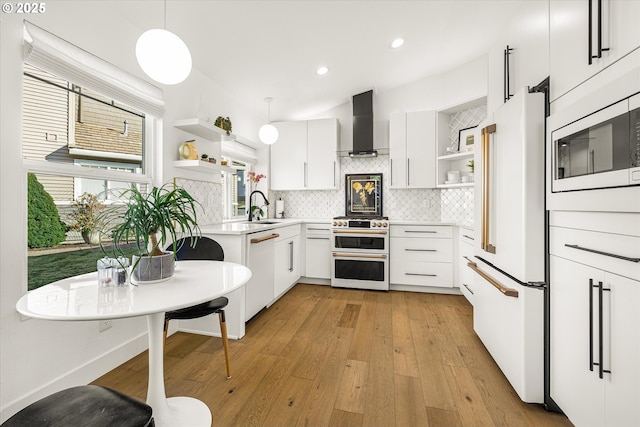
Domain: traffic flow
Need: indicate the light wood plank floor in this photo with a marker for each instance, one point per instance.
(339, 357)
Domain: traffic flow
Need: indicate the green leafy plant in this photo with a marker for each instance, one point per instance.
(44, 226)
(151, 219)
(224, 123)
(471, 165)
(86, 215)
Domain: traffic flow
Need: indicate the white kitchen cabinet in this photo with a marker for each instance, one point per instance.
(569, 39)
(305, 155)
(576, 386)
(589, 251)
(421, 255)
(287, 259)
(259, 292)
(318, 251)
(465, 253)
(412, 149)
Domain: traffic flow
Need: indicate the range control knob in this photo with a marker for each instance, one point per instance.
(384, 224)
(335, 223)
(373, 224)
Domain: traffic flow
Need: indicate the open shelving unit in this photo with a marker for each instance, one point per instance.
(202, 166)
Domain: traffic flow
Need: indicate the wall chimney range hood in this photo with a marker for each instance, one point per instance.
(363, 126)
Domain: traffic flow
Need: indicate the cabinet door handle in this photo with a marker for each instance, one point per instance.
(421, 231)
(420, 250)
(334, 173)
(591, 286)
(317, 238)
(291, 255)
(600, 362)
(305, 174)
(421, 274)
(595, 251)
(590, 33)
(408, 180)
(391, 171)
(265, 238)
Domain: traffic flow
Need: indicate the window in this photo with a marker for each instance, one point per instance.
(234, 187)
(76, 141)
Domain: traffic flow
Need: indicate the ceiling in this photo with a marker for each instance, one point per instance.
(258, 49)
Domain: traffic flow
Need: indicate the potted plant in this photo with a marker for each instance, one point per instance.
(86, 217)
(151, 220)
(224, 123)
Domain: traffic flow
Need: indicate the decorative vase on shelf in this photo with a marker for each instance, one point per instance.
(188, 150)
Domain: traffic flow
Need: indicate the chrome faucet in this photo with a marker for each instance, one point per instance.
(266, 202)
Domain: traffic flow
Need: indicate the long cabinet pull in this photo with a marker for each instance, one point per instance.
(291, 255)
(510, 292)
(468, 237)
(591, 363)
(408, 181)
(421, 231)
(265, 238)
(317, 229)
(486, 188)
(318, 238)
(468, 288)
(391, 171)
(343, 255)
(595, 251)
(590, 33)
(420, 250)
(421, 274)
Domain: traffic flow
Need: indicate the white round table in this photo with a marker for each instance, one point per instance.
(80, 298)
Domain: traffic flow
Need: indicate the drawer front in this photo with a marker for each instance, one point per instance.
(466, 274)
(614, 253)
(422, 231)
(318, 229)
(429, 250)
(287, 232)
(438, 274)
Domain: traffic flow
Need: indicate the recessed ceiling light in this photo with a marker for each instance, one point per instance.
(322, 70)
(397, 43)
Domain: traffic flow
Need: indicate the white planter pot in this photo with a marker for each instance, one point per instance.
(152, 269)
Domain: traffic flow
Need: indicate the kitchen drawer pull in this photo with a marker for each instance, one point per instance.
(420, 250)
(342, 255)
(595, 251)
(318, 238)
(468, 288)
(421, 231)
(262, 239)
(468, 237)
(318, 229)
(358, 232)
(421, 274)
(510, 292)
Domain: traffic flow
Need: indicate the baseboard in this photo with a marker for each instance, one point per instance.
(81, 375)
(425, 289)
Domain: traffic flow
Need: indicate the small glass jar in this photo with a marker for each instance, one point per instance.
(120, 271)
(104, 272)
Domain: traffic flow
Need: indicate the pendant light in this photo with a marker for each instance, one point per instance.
(268, 133)
(163, 56)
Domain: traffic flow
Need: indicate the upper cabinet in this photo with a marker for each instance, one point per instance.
(412, 149)
(305, 155)
(587, 36)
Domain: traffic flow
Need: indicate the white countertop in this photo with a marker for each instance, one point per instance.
(245, 227)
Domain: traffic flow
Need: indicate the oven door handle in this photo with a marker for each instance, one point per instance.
(359, 232)
(343, 255)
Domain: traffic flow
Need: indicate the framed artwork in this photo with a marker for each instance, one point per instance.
(466, 139)
(363, 194)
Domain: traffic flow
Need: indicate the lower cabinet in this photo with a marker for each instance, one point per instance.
(421, 255)
(465, 253)
(287, 259)
(595, 317)
(260, 259)
(318, 251)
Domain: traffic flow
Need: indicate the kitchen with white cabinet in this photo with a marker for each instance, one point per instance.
(427, 133)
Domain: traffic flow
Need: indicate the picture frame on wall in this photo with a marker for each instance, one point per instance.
(363, 193)
(466, 139)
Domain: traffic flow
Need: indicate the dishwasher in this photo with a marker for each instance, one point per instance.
(260, 260)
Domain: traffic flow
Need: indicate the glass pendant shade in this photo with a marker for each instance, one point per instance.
(268, 134)
(163, 56)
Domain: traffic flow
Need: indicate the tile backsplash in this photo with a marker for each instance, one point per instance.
(398, 204)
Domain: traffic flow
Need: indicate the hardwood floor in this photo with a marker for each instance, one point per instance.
(339, 357)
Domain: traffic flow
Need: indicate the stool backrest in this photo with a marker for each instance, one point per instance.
(205, 249)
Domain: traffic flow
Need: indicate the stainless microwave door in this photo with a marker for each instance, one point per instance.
(593, 152)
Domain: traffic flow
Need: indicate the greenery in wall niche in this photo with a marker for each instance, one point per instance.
(224, 123)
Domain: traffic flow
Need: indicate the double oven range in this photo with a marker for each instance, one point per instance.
(360, 252)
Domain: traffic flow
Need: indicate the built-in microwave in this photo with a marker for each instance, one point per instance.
(601, 150)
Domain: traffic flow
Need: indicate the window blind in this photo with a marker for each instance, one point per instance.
(50, 53)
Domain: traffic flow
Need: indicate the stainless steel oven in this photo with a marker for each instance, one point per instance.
(360, 253)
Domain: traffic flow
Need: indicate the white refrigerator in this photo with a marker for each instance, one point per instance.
(509, 251)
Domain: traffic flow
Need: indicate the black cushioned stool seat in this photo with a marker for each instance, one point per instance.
(84, 406)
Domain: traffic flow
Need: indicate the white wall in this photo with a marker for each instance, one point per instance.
(41, 357)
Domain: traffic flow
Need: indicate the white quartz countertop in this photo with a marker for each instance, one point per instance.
(245, 227)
